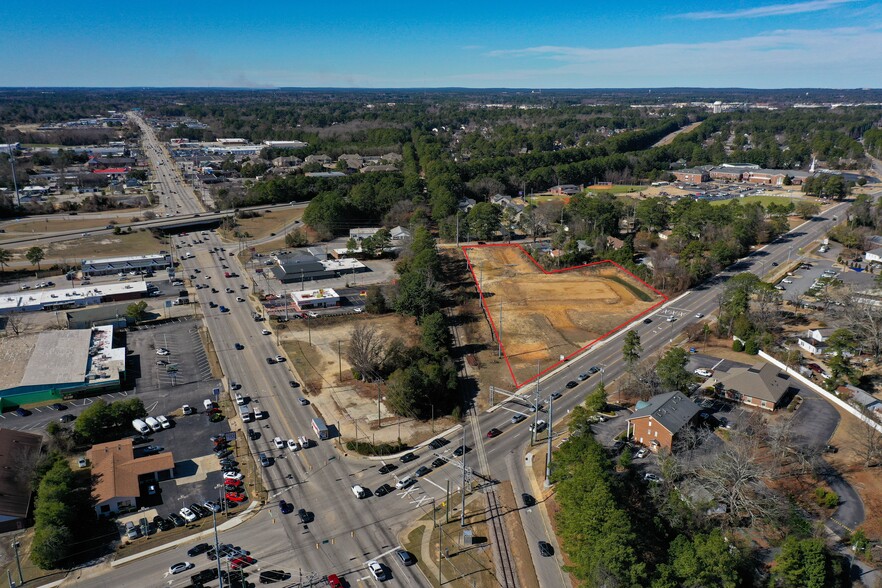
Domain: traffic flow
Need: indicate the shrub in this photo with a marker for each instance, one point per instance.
(737, 345)
(365, 448)
(751, 347)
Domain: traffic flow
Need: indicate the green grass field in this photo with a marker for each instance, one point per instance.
(764, 200)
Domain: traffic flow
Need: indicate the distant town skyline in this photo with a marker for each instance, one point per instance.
(633, 44)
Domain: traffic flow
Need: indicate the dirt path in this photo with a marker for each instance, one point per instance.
(668, 138)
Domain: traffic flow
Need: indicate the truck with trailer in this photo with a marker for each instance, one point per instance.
(320, 428)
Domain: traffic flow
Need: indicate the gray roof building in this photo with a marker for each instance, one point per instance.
(18, 455)
(672, 410)
(761, 385)
(298, 267)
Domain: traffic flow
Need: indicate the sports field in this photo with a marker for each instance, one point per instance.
(543, 315)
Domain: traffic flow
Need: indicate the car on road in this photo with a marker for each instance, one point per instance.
(270, 361)
(671, 319)
(406, 557)
(493, 433)
(699, 315)
(294, 384)
(264, 460)
(407, 457)
(277, 441)
(272, 576)
(280, 358)
(646, 321)
(528, 500)
(265, 332)
(404, 482)
(376, 570)
(703, 372)
(198, 549)
(572, 384)
(383, 490)
(438, 462)
(545, 549)
(334, 581)
(583, 376)
(518, 418)
(422, 471)
(462, 449)
(387, 468)
(438, 443)
(239, 346)
(241, 562)
(359, 491)
(188, 514)
(303, 401)
(556, 395)
(179, 567)
(292, 445)
(538, 426)
(593, 370)
(285, 507)
(303, 515)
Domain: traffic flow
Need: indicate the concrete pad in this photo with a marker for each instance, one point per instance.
(195, 470)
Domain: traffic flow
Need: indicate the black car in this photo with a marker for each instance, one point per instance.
(228, 464)
(285, 507)
(58, 406)
(594, 369)
(224, 453)
(177, 519)
(572, 384)
(198, 549)
(389, 467)
(204, 576)
(646, 321)
(383, 490)
(293, 383)
(407, 457)
(67, 418)
(528, 500)
(140, 440)
(162, 523)
(556, 395)
(270, 576)
(439, 462)
(200, 510)
(304, 516)
(422, 471)
(462, 449)
(270, 360)
(253, 435)
(545, 549)
(406, 557)
(438, 443)
(239, 346)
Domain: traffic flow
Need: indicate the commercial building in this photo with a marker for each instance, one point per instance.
(120, 475)
(19, 453)
(321, 298)
(657, 423)
(99, 316)
(761, 386)
(60, 364)
(692, 175)
(299, 267)
(34, 300)
(112, 265)
(286, 144)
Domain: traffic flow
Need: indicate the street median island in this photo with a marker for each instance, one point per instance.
(544, 315)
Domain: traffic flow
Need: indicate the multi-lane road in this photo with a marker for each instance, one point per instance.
(346, 531)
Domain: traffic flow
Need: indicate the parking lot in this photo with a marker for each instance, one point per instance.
(165, 383)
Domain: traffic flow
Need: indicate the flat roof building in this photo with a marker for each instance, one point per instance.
(112, 265)
(59, 364)
(299, 267)
(320, 298)
(34, 300)
(286, 144)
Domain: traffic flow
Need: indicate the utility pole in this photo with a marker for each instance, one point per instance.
(535, 407)
(217, 548)
(14, 180)
(462, 491)
(548, 456)
(339, 362)
(499, 339)
(378, 405)
(15, 545)
(457, 228)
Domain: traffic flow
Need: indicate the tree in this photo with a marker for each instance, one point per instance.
(597, 400)
(5, 258)
(137, 311)
(435, 336)
(296, 238)
(671, 369)
(705, 560)
(366, 351)
(807, 209)
(631, 348)
(484, 220)
(101, 421)
(35, 255)
(806, 563)
(375, 301)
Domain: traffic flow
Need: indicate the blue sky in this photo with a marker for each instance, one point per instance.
(580, 44)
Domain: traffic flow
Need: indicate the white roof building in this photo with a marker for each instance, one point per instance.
(319, 298)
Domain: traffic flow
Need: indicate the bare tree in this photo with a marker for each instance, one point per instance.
(17, 323)
(863, 318)
(367, 350)
(868, 442)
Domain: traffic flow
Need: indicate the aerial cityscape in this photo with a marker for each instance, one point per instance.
(356, 297)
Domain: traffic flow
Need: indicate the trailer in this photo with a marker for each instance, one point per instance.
(320, 428)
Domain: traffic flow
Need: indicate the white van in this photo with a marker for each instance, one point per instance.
(153, 423)
(208, 404)
(246, 414)
(163, 421)
(140, 426)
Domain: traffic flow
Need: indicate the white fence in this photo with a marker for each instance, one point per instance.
(831, 397)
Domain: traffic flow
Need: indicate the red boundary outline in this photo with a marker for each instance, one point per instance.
(514, 379)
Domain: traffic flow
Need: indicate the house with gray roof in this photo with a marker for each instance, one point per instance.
(760, 385)
(657, 423)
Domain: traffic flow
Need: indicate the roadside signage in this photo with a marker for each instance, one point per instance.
(168, 303)
(216, 392)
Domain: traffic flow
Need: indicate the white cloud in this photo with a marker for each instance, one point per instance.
(783, 58)
(763, 11)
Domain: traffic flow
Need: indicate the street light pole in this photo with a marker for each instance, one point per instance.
(499, 339)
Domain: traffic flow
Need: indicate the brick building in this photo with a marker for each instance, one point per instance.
(658, 422)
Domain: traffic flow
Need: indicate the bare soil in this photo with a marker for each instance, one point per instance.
(543, 316)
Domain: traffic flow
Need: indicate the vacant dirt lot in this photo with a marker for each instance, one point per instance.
(543, 315)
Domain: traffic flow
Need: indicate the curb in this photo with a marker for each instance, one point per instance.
(235, 522)
(418, 446)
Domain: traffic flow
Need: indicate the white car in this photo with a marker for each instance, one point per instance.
(642, 453)
(704, 373)
(359, 491)
(240, 400)
(279, 358)
(233, 475)
(265, 332)
(671, 319)
(376, 570)
(162, 351)
(786, 281)
(292, 445)
(239, 299)
(279, 443)
(699, 315)
(304, 442)
(163, 422)
(180, 567)
(404, 483)
(187, 409)
(538, 426)
(188, 515)
(259, 414)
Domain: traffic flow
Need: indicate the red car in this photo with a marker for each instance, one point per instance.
(334, 581)
(233, 497)
(493, 433)
(232, 482)
(226, 274)
(242, 561)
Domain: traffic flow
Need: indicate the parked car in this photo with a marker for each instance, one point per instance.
(703, 372)
(641, 453)
(177, 519)
(650, 477)
(188, 514)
